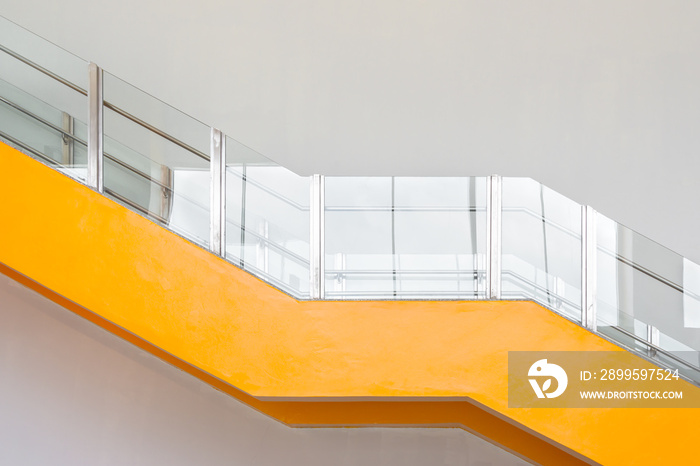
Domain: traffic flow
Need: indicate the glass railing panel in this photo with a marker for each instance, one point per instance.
(646, 290)
(677, 355)
(267, 219)
(156, 160)
(541, 243)
(43, 108)
(405, 238)
(43, 53)
(43, 132)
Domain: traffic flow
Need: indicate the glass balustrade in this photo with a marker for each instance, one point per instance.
(541, 237)
(646, 293)
(43, 100)
(267, 219)
(353, 237)
(156, 159)
(405, 238)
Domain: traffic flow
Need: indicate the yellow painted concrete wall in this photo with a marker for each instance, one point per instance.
(229, 328)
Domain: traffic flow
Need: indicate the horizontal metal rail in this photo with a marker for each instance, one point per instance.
(140, 173)
(65, 133)
(403, 272)
(648, 344)
(109, 105)
(272, 280)
(136, 206)
(404, 209)
(155, 130)
(270, 191)
(286, 252)
(519, 278)
(649, 273)
(43, 70)
(31, 150)
(42, 120)
(388, 295)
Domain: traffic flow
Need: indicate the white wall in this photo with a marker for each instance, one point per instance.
(74, 394)
(598, 100)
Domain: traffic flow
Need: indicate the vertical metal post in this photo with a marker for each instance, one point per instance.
(588, 268)
(67, 148)
(95, 168)
(317, 239)
(493, 238)
(217, 189)
(653, 338)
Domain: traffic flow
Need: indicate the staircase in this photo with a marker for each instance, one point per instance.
(321, 300)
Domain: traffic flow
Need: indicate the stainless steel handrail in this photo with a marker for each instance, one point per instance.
(402, 272)
(136, 206)
(404, 209)
(29, 149)
(649, 273)
(155, 130)
(42, 120)
(289, 254)
(43, 70)
(539, 288)
(271, 192)
(63, 132)
(650, 345)
(107, 104)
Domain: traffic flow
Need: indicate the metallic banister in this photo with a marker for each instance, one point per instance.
(155, 130)
(42, 121)
(43, 70)
(107, 104)
(268, 190)
(402, 209)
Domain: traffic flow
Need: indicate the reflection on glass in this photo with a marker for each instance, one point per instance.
(156, 160)
(541, 246)
(44, 132)
(267, 219)
(404, 238)
(646, 290)
(41, 52)
(42, 116)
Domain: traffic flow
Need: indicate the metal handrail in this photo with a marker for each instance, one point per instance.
(65, 133)
(266, 241)
(43, 70)
(109, 105)
(155, 130)
(42, 120)
(404, 209)
(270, 191)
(651, 345)
(401, 272)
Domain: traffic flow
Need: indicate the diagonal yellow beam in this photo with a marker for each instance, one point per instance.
(247, 338)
